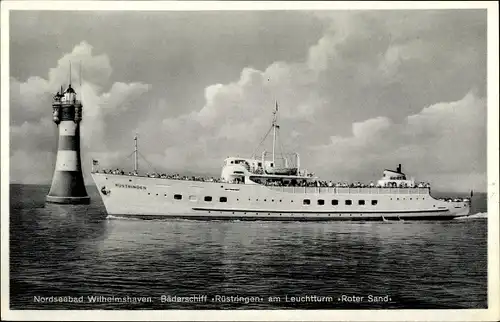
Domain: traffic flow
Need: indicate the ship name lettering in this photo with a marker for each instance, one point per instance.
(130, 186)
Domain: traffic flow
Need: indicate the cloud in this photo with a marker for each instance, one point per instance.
(441, 141)
(357, 53)
(32, 130)
(375, 90)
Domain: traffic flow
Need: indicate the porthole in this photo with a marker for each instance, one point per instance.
(165, 195)
(361, 202)
(223, 199)
(265, 199)
(307, 202)
(335, 202)
(208, 198)
(178, 197)
(129, 180)
(374, 202)
(321, 202)
(348, 202)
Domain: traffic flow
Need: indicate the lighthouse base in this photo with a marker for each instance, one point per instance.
(68, 200)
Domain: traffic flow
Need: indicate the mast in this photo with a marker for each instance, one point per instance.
(275, 126)
(136, 160)
(80, 75)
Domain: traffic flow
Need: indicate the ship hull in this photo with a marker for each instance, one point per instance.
(144, 197)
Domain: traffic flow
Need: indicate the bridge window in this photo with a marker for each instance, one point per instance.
(208, 198)
(307, 202)
(223, 199)
(335, 202)
(374, 202)
(348, 202)
(178, 197)
(321, 202)
(361, 202)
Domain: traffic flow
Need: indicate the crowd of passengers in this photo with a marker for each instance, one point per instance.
(331, 184)
(162, 175)
(316, 183)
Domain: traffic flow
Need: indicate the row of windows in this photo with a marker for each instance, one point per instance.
(335, 202)
(207, 198)
(321, 202)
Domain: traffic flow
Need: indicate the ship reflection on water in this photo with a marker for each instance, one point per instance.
(80, 251)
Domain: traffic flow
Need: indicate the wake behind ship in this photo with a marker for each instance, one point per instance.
(256, 188)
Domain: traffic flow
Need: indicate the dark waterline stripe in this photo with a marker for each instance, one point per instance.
(321, 212)
(268, 218)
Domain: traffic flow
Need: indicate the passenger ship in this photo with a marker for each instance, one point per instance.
(257, 189)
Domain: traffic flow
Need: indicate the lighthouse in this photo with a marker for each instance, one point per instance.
(67, 184)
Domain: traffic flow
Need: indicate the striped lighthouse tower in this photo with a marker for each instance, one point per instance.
(67, 184)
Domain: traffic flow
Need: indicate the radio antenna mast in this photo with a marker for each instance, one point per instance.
(80, 74)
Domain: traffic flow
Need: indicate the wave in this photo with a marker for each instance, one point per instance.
(478, 215)
(111, 217)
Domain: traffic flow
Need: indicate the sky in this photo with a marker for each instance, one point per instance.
(358, 91)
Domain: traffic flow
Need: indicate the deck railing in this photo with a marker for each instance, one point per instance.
(335, 190)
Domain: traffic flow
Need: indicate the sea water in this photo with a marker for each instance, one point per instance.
(78, 257)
